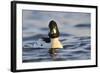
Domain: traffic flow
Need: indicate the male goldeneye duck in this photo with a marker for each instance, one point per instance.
(54, 36)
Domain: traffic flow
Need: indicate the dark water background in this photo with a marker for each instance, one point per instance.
(76, 45)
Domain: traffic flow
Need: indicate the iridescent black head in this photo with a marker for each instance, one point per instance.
(54, 32)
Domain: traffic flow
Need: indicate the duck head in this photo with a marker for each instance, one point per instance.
(54, 32)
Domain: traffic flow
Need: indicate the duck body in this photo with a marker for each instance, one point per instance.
(55, 43)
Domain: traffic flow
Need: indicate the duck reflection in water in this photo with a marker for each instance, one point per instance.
(54, 37)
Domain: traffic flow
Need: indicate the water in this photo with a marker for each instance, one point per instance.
(75, 35)
(76, 43)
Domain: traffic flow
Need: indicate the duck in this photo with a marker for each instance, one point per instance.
(54, 37)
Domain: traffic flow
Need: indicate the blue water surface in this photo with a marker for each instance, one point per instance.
(75, 35)
(75, 47)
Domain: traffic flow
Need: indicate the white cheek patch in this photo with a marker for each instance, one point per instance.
(54, 30)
